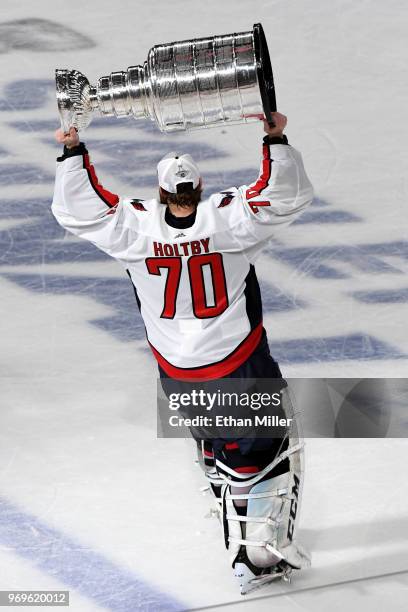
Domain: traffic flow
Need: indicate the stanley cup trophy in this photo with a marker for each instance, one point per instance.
(182, 86)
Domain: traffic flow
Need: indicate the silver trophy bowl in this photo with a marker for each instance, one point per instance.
(182, 86)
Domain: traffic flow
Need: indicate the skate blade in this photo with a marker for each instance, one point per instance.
(248, 582)
(257, 583)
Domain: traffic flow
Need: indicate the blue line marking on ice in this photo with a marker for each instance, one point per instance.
(26, 94)
(274, 300)
(315, 261)
(146, 152)
(22, 174)
(41, 240)
(326, 216)
(26, 209)
(79, 567)
(382, 296)
(321, 211)
(50, 125)
(125, 323)
(333, 348)
(43, 126)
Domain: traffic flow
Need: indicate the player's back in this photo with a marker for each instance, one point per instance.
(197, 291)
(194, 276)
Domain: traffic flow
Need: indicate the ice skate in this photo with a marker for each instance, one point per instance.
(251, 577)
(259, 503)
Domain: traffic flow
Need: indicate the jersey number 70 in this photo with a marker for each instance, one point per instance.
(195, 265)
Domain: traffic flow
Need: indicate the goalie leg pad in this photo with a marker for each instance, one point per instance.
(261, 494)
(267, 525)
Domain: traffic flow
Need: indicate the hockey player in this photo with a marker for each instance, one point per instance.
(191, 263)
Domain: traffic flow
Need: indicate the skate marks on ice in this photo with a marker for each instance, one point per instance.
(322, 212)
(41, 35)
(23, 174)
(77, 566)
(361, 346)
(331, 262)
(26, 94)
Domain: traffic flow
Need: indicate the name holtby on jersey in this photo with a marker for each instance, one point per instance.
(194, 247)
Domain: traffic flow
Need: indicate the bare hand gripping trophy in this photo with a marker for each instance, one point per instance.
(182, 85)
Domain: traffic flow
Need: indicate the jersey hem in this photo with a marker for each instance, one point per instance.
(215, 370)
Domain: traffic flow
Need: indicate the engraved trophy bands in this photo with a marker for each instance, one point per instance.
(182, 85)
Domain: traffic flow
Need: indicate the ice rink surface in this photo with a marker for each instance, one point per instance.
(90, 499)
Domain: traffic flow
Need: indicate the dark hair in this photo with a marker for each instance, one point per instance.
(185, 197)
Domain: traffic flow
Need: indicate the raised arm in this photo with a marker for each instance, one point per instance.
(80, 204)
(280, 194)
(282, 190)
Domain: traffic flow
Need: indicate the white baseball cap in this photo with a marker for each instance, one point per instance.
(175, 169)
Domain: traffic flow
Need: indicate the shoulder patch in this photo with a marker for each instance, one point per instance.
(227, 199)
(137, 204)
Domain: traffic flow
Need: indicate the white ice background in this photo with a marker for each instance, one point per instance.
(90, 499)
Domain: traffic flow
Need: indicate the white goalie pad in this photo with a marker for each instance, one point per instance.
(267, 529)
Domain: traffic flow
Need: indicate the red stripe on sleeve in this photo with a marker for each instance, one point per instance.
(108, 197)
(254, 190)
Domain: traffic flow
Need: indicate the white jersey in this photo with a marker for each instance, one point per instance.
(195, 282)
